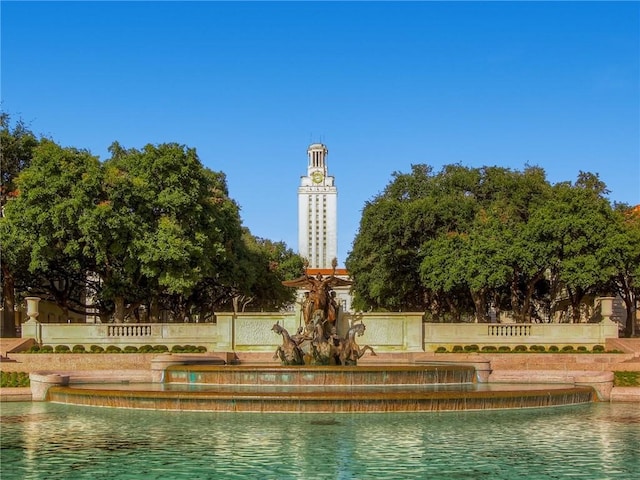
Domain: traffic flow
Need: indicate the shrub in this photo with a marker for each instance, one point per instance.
(520, 348)
(145, 349)
(504, 348)
(62, 349)
(582, 349)
(554, 348)
(489, 348)
(113, 349)
(457, 349)
(130, 349)
(471, 348)
(78, 349)
(441, 350)
(598, 349)
(160, 349)
(177, 349)
(626, 379)
(567, 348)
(536, 348)
(14, 379)
(46, 349)
(34, 349)
(201, 349)
(96, 349)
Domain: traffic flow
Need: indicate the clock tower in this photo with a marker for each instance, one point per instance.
(317, 211)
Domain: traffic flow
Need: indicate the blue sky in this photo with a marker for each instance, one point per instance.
(383, 84)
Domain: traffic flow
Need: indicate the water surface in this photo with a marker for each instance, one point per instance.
(49, 441)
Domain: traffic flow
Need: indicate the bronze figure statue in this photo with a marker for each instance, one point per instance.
(321, 295)
(323, 345)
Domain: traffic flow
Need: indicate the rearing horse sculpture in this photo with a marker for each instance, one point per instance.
(289, 352)
(349, 351)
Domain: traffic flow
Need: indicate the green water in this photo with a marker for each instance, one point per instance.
(49, 441)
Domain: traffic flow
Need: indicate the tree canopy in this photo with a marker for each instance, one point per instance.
(148, 230)
(464, 242)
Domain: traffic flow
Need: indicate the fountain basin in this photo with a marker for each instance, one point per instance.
(321, 389)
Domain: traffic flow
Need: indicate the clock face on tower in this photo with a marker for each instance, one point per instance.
(317, 177)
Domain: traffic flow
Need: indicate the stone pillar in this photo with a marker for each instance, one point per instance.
(40, 383)
(601, 382)
(31, 328)
(160, 364)
(608, 328)
(483, 370)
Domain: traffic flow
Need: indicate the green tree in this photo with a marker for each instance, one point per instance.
(464, 239)
(16, 150)
(572, 226)
(622, 251)
(163, 224)
(39, 230)
(40, 226)
(264, 265)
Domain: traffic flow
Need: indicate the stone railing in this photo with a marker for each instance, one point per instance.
(386, 332)
(546, 334)
(521, 330)
(135, 330)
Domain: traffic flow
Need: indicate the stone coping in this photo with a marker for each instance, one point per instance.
(15, 394)
(23, 394)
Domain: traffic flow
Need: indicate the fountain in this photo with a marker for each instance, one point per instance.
(319, 373)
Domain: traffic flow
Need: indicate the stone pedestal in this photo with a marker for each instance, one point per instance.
(601, 382)
(40, 383)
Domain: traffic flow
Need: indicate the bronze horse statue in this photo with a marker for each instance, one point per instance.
(289, 352)
(349, 351)
(324, 347)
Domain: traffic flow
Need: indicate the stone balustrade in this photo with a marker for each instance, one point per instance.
(386, 332)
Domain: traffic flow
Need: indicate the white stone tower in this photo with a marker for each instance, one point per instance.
(317, 211)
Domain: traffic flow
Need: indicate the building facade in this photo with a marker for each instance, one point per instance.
(317, 211)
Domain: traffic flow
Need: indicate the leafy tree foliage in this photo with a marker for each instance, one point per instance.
(264, 264)
(148, 228)
(465, 241)
(40, 228)
(622, 253)
(16, 150)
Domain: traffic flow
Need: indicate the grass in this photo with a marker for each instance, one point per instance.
(14, 379)
(626, 379)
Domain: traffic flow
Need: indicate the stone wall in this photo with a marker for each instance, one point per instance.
(386, 332)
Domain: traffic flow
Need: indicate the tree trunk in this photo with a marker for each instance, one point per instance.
(515, 300)
(154, 310)
(576, 299)
(480, 305)
(8, 327)
(118, 314)
(630, 325)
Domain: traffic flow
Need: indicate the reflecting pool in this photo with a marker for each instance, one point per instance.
(50, 441)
